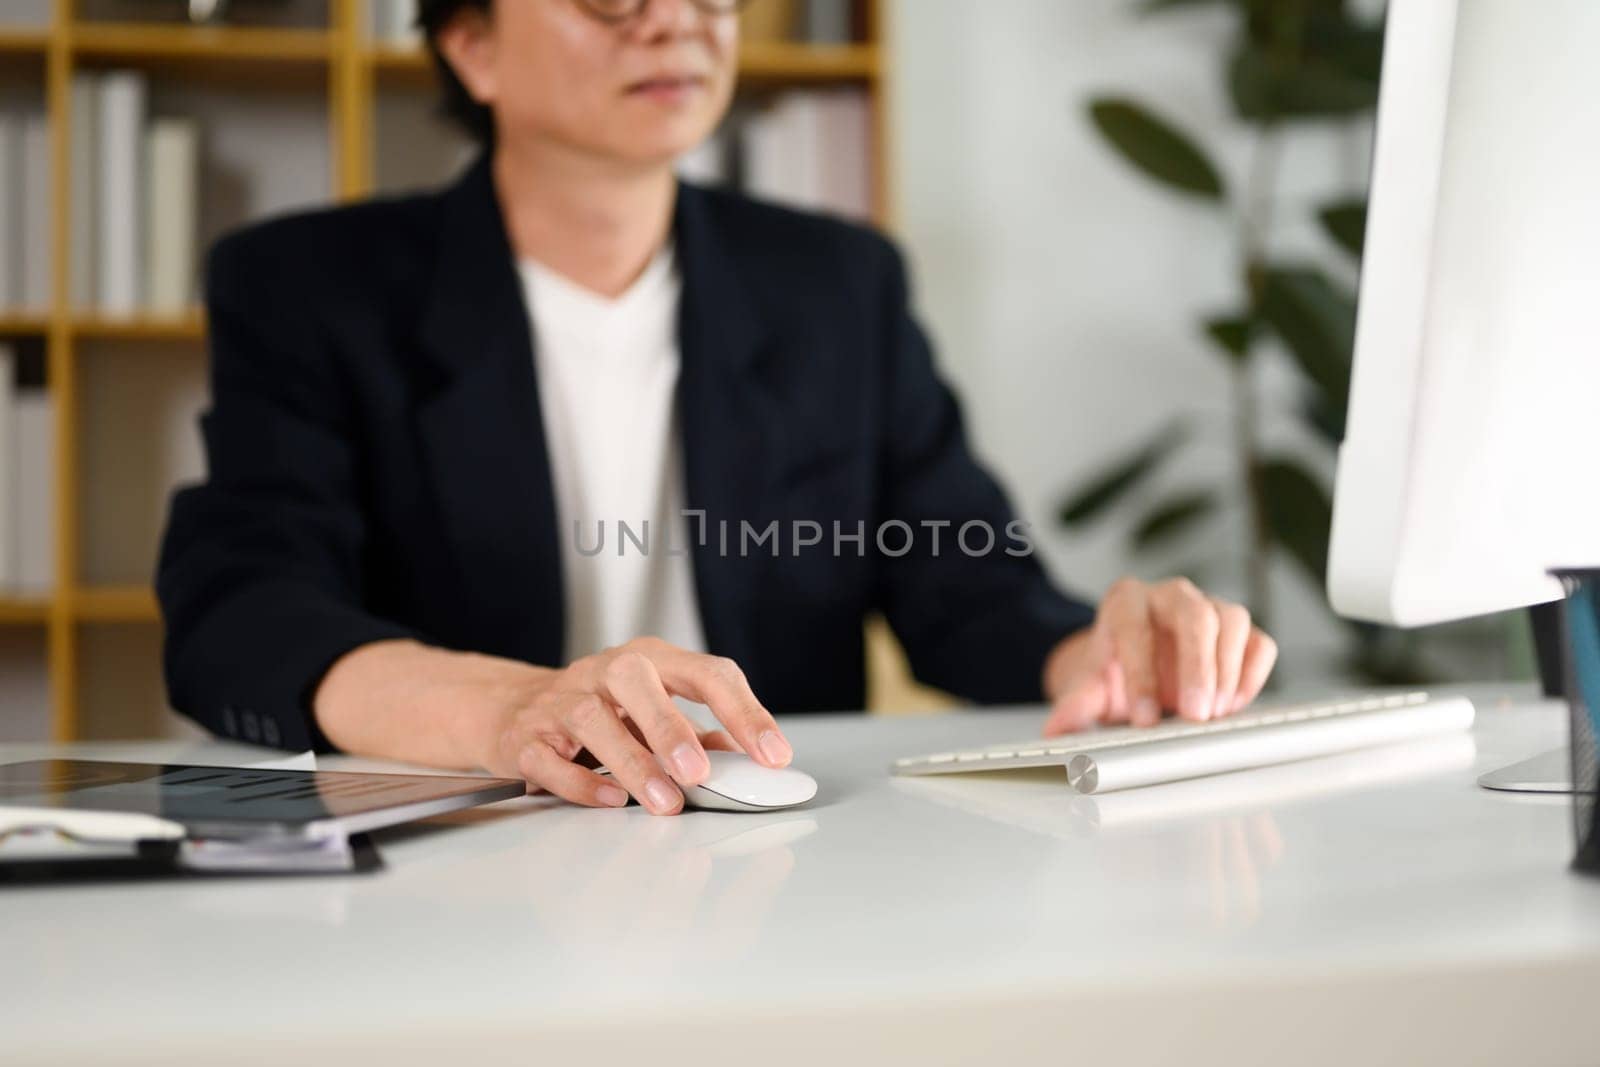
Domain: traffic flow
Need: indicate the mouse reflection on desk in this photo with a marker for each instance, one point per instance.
(739, 783)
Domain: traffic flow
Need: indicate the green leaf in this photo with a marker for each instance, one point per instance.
(1154, 7)
(1328, 423)
(1233, 334)
(1298, 27)
(1156, 147)
(1352, 46)
(1265, 89)
(1117, 480)
(1298, 512)
(1172, 518)
(1383, 656)
(1346, 222)
(1317, 320)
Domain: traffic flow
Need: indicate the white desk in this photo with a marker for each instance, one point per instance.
(1366, 909)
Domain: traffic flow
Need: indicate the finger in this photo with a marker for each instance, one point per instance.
(1260, 655)
(1233, 633)
(596, 723)
(1081, 706)
(1127, 611)
(545, 769)
(718, 683)
(636, 730)
(1117, 693)
(719, 741)
(630, 682)
(1186, 616)
(1082, 696)
(710, 740)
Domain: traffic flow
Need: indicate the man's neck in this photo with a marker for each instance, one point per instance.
(595, 222)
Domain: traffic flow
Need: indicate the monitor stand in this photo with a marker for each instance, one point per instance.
(1549, 772)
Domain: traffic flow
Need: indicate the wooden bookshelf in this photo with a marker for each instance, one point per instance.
(791, 64)
(132, 43)
(778, 64)
(23, 324)
(406, 62)
(187, 327)
(207, 55)
(353, 72)
(125, 603)
(15, 610)
(24, 42)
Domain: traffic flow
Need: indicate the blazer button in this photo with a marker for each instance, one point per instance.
(252, 726)
(269, 731)
(230, 721)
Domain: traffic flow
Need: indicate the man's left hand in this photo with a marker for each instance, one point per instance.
(1154, 647)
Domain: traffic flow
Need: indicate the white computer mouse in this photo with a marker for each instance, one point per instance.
(739, 783)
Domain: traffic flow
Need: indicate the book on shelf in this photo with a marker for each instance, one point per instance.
(81, 194)
(119, 197)
(25, 14)
(805, 21)
(708, 162)
(10, 210)
(36, 275)
(8, 492)
(828, 22)
(33, 549)
(777, 146)
(27, 552)
(25, 193)
(133, 199)
(172, 154)
(812, 149)
(394, 23)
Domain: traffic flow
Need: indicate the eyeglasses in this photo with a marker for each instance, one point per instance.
(623, 10)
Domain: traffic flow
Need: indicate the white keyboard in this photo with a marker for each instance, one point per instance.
(1123, 757)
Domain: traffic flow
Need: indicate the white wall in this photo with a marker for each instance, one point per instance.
(1063, 289)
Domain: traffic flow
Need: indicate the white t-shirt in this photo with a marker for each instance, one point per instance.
(608, 373)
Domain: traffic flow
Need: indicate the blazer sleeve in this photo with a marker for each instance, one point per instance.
(260, 573)
(976, 619)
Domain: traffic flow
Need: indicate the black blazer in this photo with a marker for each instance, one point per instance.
(377, 467)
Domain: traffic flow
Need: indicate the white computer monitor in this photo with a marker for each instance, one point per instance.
(1471, 460)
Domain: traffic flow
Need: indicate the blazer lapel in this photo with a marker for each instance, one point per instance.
(729, 425)
(481, 431)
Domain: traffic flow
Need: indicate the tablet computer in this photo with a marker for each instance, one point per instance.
(235, 802)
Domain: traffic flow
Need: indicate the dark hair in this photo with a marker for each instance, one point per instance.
(455, 102)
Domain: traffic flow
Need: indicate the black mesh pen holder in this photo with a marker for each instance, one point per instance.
(1580, 653)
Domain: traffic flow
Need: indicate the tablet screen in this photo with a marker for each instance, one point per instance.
(224, 797)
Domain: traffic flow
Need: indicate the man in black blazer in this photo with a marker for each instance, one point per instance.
(374, 561)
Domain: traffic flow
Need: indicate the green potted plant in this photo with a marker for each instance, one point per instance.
(1290, 63)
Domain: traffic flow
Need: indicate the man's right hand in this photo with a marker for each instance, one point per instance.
(617, 706)
(403, 700)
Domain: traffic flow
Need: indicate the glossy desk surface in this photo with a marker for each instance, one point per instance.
(1377, 905)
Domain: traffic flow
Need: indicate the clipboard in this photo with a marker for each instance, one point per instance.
(51, 845)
